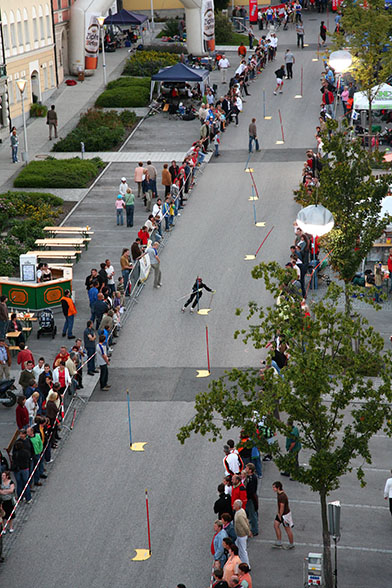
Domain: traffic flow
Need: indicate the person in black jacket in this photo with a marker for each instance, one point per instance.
(197, 292)
(21, 460)
(223, 504)
(252, 504)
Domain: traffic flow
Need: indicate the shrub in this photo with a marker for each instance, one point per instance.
(128, 118)
(128, 81)
(148, 63)
(168, 47)
(170, 28)
(124, 97)
(23, 216)
(99, 131)
(37, 109)
(224, 34)
(62, 173)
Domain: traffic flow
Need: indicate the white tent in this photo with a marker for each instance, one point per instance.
(382, 99)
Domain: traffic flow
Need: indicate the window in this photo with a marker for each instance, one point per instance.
(41, 23)
(45, 69)
(6, 35)
(12, 29)
(51, 71)
(35, 25)
(48, 23)
(26, 27)
(19, 26)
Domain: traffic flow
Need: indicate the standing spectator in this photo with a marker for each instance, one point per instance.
(289, 60)
(155, 264)
(110, 275)
(283, 516)
(228, 526)
(69, 312)
(100, 308)
(238, 491)
(26, 375)
(129, 200)
(103, 275)
(223, 65)
(14, 141)
(62, 376)
(252, 503)
(139, 177)
(3, 316)
(36, 440)
(90, 340)
(299, 29)
(51, 120)
(242, 529)
(21, 413)
(126, 267)
(120, 205)
(217, 549)
(174, 171)
(91, 278)
(93, 297)
(244, 576)
(62, 355)
(293, 444)
(166, 179)
(136, 250)
(388, 492)
(344, 97)
(241, 51)
(279, 73)
(103, 363)
(39, 368)
(123, 187)
(216, 145)
(21, 458)
(233, 561)
(223, 504)
(5, 360)
(328, 100)
(144, 235)
(253, 136)
(152, 174)
(32, 407)
(7, 495)
(323, 33)
(218, 581)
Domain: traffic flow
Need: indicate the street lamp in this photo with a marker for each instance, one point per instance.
(101, 20)
(22, 85)
(340, 60)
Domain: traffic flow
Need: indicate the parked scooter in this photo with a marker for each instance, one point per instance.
(7, 397)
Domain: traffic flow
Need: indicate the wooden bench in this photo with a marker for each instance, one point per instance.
(14, 349)
(60, 254)
(69, 230)
(27, 331)
(166, 108)
(382, 245)
(63, 242)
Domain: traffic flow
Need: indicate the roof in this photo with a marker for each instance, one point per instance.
(381, 101)
(180, 73)
(125, 17)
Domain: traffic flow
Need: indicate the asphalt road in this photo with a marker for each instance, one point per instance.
(90, 514)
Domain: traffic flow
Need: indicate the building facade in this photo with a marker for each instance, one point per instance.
(4, 117)
(61, 17)
(29, 52)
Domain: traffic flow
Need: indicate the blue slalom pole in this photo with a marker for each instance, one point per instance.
(129, 420)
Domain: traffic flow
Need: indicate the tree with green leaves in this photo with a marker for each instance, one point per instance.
(354, 196)
(367, 32)
(323, 389)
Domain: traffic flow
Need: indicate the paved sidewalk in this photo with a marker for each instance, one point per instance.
(71, 102)
(127, 156)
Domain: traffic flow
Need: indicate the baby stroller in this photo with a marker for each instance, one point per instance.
(46, 323)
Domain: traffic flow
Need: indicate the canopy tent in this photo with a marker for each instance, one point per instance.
(125, 18)
(382, 99)
(179, 73)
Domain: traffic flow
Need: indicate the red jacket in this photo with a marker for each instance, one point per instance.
(239, 493)
(22, 417)
(23, 356)
(390, 265)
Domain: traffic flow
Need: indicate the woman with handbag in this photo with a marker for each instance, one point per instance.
(7, 497)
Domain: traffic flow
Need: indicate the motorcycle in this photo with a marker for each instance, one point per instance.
(7, 397)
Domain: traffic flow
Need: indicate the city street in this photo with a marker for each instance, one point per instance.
(88, 518)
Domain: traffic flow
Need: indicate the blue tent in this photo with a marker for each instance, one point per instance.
(125, 18)
(180, 73)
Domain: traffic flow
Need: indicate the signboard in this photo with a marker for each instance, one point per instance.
(253, 11)
(208, 25)
(145, 266)
(91, 41)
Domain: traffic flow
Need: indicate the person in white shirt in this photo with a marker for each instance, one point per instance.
(32, 407)
(123, 187)
(39, 368)
(240, 68)
(387, 491)
(110, 273)
(223, 65)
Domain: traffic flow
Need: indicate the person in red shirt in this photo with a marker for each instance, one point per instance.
(390, 269)
(241, 50)
(238, 491)
(24, 355)
(63, 355)
(21, 413)
(144, 235)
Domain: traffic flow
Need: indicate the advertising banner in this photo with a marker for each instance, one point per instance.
(92, 41)
(253, 11)
(145, 266)
(208, 25)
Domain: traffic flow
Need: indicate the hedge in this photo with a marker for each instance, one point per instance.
(148, 63)
(59, 173)
(37, 109)
(169, 47)
(129, 81)
(98, 130)
(23, 217)
(124, 97)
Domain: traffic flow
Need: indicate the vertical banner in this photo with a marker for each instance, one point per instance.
(208, 25)
(145, 266)
(253, 11)
(92, 41)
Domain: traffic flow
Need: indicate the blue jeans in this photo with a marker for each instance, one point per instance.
(153, 186)
(251, 139)
(91, 359)
(92, 317)
(68, 324)
(252, 516)
(129, 209)
(120, 216)
(258, 465)
(216, 150)
(3, 328)
(40, 469)
(125, 275)
(378, 289)
(14, 152)
(21, 478)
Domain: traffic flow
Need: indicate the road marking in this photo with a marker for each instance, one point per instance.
(320, 546)
(316, 503)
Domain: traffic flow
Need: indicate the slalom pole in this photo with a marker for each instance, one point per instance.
(311, 275)
(129, 420)
(254, 211)
(208, 350)
(254, 183)
(281, 124)
(264, 240)
(148, 524)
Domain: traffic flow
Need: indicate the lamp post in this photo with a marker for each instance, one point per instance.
(152, 15)
(340, 61)
(22, 85)
(101, 20)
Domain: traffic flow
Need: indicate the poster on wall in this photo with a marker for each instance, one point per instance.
(92, 41)
(253, 11)
(208, 25)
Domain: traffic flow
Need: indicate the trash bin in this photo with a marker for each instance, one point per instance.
(80, 74)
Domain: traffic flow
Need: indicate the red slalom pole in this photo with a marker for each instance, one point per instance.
(281, 125)
(254, 184)
(208, 350)
(148, 524)
(265, 238)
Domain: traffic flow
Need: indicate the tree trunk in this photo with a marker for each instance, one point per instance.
(347, 301)
(370, 124)
(327, 564)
